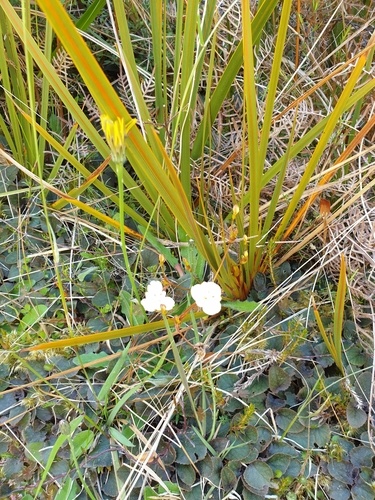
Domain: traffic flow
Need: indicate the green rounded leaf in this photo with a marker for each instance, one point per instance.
(219, 444)
(279, 462)
(205, 466)
(287, 419)
(34, 315)
(361, 456)
(356, 416)
(363, 385)
(260, 282)
(278, 379)
(362, 491)
(245, 452)
(341, 471)
(103, 298)
(228, 478)
(186, 473)
(320, 435)
(192, 449)
(264, 438)
(258, 476)
(250, 434)
(294, 468)
(89, 357)
(338, 491)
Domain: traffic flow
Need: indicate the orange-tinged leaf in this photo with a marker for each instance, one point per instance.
(100, 88)
(103, 336)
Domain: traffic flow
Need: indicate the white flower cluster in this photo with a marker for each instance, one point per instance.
(155, 298)
(207, 295)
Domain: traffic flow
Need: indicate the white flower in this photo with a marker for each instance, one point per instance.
(207, 295)
(155, 298)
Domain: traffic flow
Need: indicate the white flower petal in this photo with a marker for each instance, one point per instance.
(148, 304)
(155, 287)
(196, 293)
(155, 298)
(207, 295)
(168, 303)
(211, 309)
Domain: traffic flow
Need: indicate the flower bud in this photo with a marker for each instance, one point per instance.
(236, 210)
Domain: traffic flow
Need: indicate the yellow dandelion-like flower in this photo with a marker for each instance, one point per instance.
(115, 132)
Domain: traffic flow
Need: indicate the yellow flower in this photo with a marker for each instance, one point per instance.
(115, 132)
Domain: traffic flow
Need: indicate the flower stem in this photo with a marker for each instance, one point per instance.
(180, 367)
(120, 178)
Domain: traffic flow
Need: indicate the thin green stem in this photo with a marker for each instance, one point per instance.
(120, 178)
(78, 470)
(181, 369)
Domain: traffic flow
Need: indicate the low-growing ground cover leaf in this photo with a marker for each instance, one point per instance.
(257, 477)
(248, 495)
(186, 473)
(104, 298)
(194, 494)
(219, 444)
(274, 403)
(288, 419)
(264, 438)
(11, 467)
(226, 382)
(294, 468)
(362, 490)
(97, 324)
(282, 447)
(192, 448)
(34, 315)
(228, 478)
(249, 434)
(242, 451)
(320, 435)
(150, 258)
(217, 466)
(338, 491)
(94, 356)
(259, 386)
(166, 450)
(355, 355)
(33, 451)
(279, 462)
(361, 456)
(205, 466)
(356, 416)
(341, 471)
(323, 356)
(363, 385)
(278, 379)
(100, 456)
